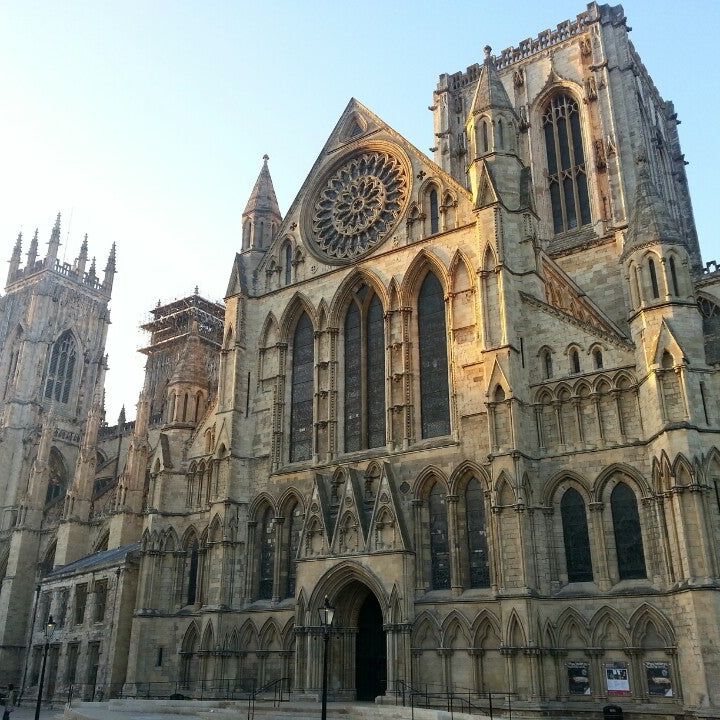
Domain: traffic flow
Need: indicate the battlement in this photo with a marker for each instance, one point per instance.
(532, 46)
(66, 270)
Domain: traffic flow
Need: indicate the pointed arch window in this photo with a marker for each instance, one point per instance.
(439, 541)
(547, 364)
(567, 172)
(575, 537)
(267, 555)
(60, 368)
(598, 358)
(674, 278)
(301, 403)
(432, 341)
(478, 557)
(434, 211)
(287, 255)
(574, 362)
(364, 372)
(653, 279)
(193, 562)
(628, 533)
(294, 529)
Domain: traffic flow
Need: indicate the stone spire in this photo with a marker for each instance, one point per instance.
(490, 92)
(54, 243)
(110, 270)
(92, 272)
(15, 258)
(81, 261)
(650, 220)
(32, 250)
(262, 214)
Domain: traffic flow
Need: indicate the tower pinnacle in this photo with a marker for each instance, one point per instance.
(262, 215)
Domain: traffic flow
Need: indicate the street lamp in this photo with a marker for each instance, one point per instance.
(327, 615)
(49, 630)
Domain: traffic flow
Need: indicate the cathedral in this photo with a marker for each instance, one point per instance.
(472, 400)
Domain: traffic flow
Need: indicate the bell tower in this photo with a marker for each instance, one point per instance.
(53, 325)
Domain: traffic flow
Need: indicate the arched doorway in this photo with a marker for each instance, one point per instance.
(370, 651)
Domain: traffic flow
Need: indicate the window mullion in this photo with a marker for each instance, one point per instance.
(365, 420)
(560, 169)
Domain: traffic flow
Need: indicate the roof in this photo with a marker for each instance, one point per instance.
(116, 556)
(262, 197)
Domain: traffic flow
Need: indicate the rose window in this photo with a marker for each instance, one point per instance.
(359, 205)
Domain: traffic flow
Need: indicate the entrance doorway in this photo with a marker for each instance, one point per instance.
(370, 651)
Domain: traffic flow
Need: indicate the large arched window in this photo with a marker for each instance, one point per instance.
(432, 340)
(628, 534)
(301, 403)
(60, 368)
(575, 536)
(439, 542)
(364, 372)
(567, 173)
(478, 559)
(57, 476)
(267, 555)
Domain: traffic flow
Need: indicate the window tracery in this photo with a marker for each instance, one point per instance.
(567, 174)
(364, 372)
(60, 368)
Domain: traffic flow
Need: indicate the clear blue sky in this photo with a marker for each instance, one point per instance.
(144, 122)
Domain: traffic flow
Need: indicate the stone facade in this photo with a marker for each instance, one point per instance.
(471, 401)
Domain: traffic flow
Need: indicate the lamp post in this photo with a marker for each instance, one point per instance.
(327, 615)
(49, 630)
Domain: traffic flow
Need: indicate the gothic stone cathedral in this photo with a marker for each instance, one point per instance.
(473, 400)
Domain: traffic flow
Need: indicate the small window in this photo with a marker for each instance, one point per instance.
(288, 264)
(673, 278)
(80, 602)
(101, 587)
(653, 279)
(598, 359)
(434, 211)
(486, 144)
(501, 135)
(159, 657)
(547, 364)
(574, 362)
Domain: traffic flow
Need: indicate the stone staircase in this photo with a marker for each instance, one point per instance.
(238, 710)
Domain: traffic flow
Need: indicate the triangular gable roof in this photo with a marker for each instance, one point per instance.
(667, 340)
(340, 139)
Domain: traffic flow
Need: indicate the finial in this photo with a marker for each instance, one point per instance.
(121, 417)
(18, 243)
(84, 243)
(197, 291)
(92, 272)
(487, 50)
(266, 157)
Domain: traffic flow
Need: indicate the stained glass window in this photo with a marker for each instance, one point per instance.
(294, 529)
(575, 535)
(267, 556)
(60, 369)
(432, 336)
(478, 559)
(628, 534)
(567, 173)
(434, 213)
(192, 574)
(301, 404)
(364, 372)
(439, 542)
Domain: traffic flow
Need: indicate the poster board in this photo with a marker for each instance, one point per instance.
(578, 675)
(659, 679)
(617, 679)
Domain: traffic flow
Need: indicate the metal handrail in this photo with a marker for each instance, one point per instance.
(453, 699)
(278, 694)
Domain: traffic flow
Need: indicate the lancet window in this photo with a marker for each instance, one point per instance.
(478, 558)
(301, 403)
(267, 555)
(364, 372)
(628, 533)
(439, 541)
(575, 536)
(432, 340)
